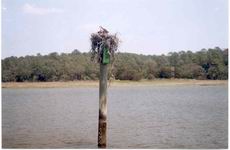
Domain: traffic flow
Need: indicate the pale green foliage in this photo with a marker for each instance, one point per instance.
(204, 64)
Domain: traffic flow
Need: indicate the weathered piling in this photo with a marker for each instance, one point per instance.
(102, 125)
(103, 45)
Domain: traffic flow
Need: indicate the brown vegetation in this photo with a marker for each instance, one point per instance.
(117, 83)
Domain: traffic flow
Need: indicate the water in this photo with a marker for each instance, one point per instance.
(138, 117)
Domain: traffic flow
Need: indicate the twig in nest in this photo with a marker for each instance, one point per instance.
(101, 40)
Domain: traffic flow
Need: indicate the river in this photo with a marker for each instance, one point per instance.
(138, 117)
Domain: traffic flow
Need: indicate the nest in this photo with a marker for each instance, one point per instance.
(101, 40)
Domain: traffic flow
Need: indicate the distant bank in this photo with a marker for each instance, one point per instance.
(201, 65)
(114, 83)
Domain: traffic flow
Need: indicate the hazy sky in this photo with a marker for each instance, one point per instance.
(144, 26)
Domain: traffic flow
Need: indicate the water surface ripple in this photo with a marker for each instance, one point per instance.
(138, 117)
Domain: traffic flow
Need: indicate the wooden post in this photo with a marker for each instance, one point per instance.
(102, 125)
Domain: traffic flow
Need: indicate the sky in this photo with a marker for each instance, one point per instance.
(143, 26)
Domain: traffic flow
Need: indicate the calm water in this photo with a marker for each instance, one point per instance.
(138, 117)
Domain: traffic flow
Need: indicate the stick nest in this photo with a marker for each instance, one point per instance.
(101, 40)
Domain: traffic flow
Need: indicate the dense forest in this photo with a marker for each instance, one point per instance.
(204, 64)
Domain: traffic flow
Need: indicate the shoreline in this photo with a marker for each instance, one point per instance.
(114, 83)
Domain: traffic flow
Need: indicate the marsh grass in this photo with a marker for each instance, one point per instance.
(117, 83)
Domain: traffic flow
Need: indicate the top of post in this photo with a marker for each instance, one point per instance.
(103, 45)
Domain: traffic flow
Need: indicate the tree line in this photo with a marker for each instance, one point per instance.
(204, 64)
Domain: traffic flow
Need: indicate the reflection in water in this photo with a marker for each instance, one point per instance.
(138, 117)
